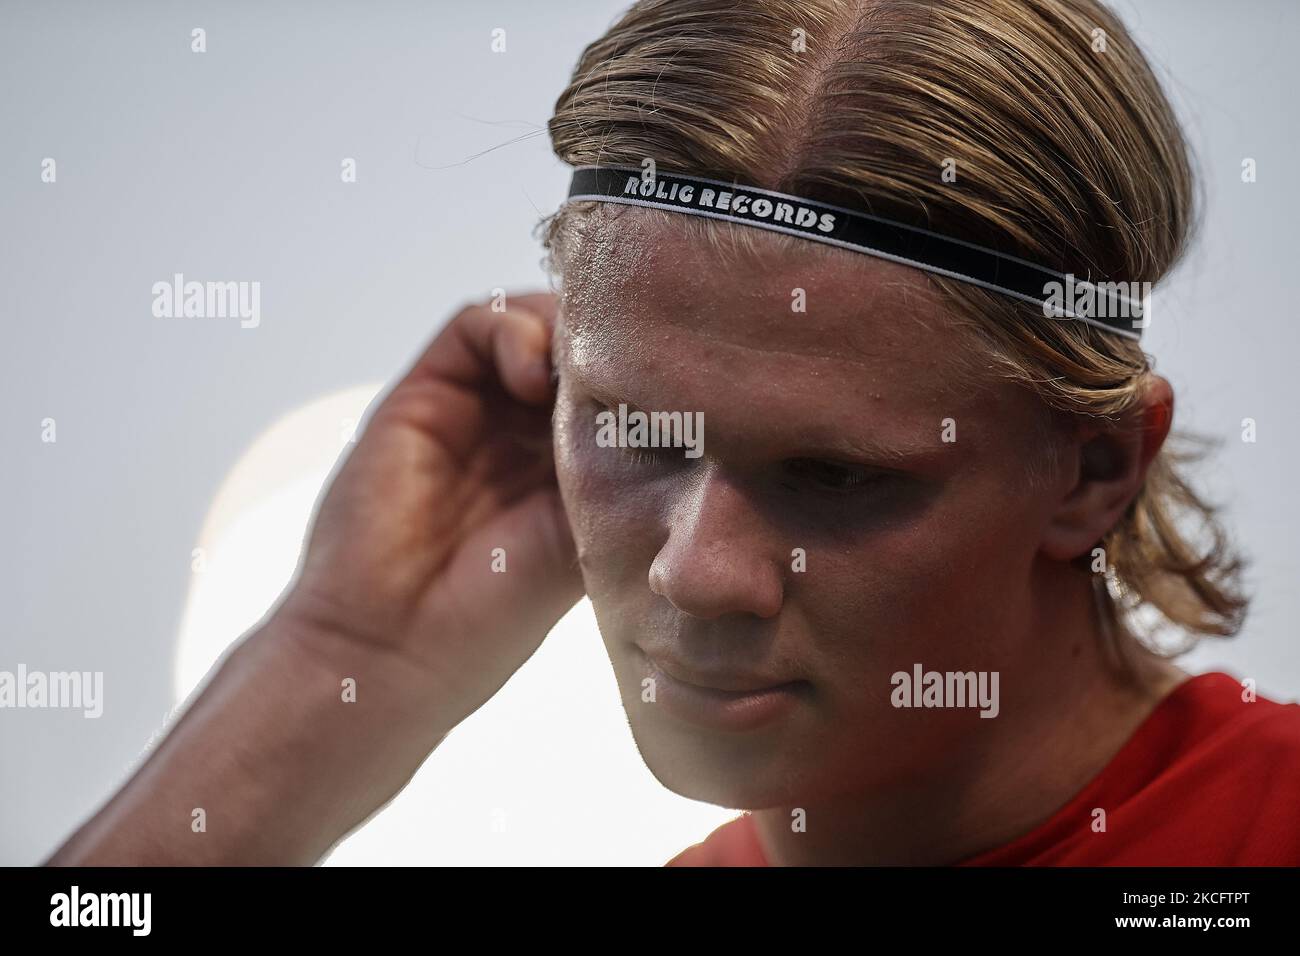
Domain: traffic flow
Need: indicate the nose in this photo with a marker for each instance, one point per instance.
(716, 560)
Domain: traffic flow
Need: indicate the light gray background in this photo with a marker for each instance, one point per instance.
(225, 165)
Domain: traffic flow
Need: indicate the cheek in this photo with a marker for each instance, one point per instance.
(613, 514)
(950, 585)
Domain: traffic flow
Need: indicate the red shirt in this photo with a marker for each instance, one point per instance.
(1206, 780)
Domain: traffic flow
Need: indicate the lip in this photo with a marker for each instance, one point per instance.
(725, 701)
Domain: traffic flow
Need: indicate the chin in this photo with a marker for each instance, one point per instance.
(728, 771)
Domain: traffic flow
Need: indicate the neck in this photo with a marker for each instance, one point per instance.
(1056, 732)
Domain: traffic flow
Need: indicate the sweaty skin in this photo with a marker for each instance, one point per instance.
(823, 432)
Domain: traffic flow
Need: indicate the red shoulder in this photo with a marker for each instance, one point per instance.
(1209, 780)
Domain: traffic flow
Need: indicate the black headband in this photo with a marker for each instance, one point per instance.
(1107, 305)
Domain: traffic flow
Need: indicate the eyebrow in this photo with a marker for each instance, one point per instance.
(845, 447)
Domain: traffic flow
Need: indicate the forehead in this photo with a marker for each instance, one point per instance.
(651, 298)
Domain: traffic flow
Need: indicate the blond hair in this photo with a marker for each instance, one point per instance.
(1066, 151)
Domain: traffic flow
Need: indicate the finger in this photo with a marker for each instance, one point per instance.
(479, 344)
(542, 580)
(545, 304)
(477, 352)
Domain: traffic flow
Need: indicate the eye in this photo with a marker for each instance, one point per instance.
(644, 456)
(831, 475)
(636, 454)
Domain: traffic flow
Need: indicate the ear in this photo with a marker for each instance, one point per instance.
(1112, 463)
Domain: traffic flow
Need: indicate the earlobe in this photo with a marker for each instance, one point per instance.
(1112, 465)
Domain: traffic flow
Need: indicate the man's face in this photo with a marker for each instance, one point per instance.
(856, 510)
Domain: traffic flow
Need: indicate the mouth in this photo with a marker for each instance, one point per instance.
(724, 700)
